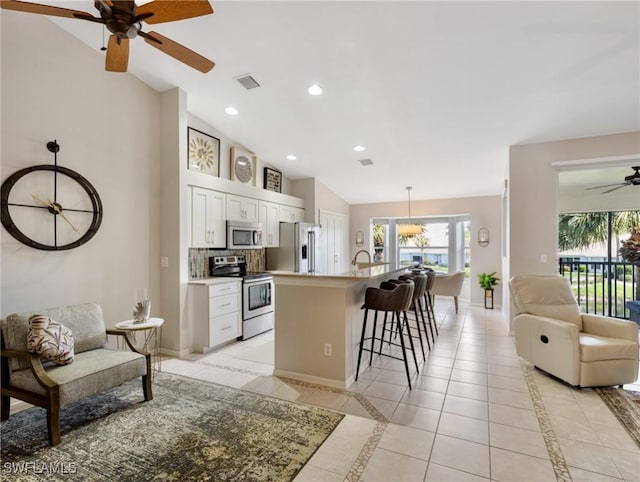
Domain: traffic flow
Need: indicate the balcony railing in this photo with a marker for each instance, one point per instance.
(601, 287)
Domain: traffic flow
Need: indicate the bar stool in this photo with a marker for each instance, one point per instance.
(420, 281)
(418, 292)
(428, 297)
(394, 298)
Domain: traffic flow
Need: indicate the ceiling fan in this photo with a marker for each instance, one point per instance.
(123, 19)
(631, 180)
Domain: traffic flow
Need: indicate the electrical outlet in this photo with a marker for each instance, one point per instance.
(543, 258)
(164, 261)
(327, 349)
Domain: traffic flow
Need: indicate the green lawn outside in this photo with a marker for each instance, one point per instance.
(593, 291)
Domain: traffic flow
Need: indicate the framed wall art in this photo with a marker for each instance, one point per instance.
(272, 180)
(204, 152)
(243, 166)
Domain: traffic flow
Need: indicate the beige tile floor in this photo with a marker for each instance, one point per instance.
(475, 412)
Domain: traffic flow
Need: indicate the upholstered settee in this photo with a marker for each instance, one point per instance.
(581, 349)
(95, 367)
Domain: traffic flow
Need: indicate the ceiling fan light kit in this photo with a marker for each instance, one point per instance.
(124, 20)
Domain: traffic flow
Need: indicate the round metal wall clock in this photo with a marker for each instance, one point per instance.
(50, 207)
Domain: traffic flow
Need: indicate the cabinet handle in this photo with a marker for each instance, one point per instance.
(226, 328)
(225, 305)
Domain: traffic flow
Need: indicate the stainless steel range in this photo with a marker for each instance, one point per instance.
(257, 293)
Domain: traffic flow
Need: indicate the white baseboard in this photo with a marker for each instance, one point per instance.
(175, 353)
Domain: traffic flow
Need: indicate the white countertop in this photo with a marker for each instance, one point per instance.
(355, 274)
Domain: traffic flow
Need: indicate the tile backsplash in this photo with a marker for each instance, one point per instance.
(199, 260)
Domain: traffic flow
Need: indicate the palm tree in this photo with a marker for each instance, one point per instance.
(378, 234)
(422, 241)
(583, 230)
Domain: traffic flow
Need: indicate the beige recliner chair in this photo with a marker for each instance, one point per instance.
(581, 349)
(448, 285)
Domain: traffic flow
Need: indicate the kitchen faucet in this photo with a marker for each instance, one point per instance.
(353, 262)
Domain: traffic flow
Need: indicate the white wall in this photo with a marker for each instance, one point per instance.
(55, 87)
(484, 211)
(533, 198)
(318, 197)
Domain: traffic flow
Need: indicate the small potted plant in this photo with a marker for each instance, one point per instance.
(487, 281)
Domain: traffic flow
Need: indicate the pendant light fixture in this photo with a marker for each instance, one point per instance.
(409, 230)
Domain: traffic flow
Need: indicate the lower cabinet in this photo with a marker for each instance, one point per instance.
(217, 310)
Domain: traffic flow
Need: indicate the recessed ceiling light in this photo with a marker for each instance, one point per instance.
(231, 110)
(315, 89)
(358, 148)
(291, 157)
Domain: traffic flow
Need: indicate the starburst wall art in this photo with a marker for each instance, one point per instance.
(204, 152)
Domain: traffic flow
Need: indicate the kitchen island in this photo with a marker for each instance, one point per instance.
(319, 321)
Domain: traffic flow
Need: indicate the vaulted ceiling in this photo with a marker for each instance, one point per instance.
(436, 92)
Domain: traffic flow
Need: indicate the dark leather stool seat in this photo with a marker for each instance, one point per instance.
(389, 298)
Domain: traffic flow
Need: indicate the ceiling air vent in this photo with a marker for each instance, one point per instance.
(365, 162)
(247, 81)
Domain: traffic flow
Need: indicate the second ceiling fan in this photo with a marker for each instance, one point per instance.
(630, 180)
(123, 18)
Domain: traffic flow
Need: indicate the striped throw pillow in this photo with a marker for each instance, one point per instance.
(49, 339)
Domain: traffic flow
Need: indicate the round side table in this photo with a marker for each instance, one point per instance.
(152, 335)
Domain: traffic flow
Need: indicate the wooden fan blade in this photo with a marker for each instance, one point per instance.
(117, 55)
(178, 52)
(170, 11)
(40, 9)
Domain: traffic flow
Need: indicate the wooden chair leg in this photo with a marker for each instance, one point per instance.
(53, 417)
(146, 381)
(5, 407)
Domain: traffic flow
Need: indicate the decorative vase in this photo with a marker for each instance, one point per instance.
(142, 308)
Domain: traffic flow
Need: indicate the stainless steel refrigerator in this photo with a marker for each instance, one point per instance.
(299, 249)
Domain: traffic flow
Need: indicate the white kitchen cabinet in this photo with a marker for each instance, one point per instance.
(208, 227)
(270, 219)
(240, 208)
(217, 314)
(289, 214)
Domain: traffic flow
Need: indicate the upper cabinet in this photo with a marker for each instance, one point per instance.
(270, 220)
(289, 214)
(209, 211)
(208, 227)
(240, 208)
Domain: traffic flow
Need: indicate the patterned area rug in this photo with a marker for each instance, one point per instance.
(625, 405)
(191, 430)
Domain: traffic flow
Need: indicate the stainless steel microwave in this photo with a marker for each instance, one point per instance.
(244, 235)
